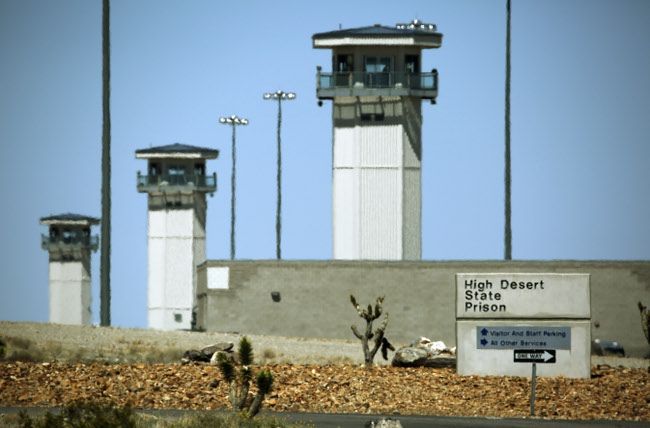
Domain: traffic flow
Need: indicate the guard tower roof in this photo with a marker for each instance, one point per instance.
(415, 33)
(69, 219)
(176, 151)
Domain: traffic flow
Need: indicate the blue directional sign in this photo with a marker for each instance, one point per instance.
(518, 337)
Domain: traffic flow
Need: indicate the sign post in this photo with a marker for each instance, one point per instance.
(532, 391)
(534, 356)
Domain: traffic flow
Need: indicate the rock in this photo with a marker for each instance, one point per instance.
(208, 351)
(421, 340)
(440, 361)
(214, 361)
(425, 353)
(384, 423)
(433, 348)
(194, 355)
(409, 357)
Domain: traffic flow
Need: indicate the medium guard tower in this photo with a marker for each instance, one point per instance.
(176, 183)
(376, 86)
(69, 244)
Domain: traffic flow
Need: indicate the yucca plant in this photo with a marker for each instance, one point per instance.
(240, 377)
(380, 340)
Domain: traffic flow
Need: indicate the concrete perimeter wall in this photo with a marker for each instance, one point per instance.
(314, 296)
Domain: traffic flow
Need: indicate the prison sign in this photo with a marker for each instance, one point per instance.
(538, 315)
(522, 296)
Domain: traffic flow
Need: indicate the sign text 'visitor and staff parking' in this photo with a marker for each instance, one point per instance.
(519, 337)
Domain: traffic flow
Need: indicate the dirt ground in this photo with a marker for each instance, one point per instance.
(111, 344)
(311, 375)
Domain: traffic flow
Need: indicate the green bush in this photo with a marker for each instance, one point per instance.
(240, 377)
(3, 348)
(82, 415)
(96, 416)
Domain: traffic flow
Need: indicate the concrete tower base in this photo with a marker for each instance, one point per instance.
(176, 235)
(377, 178)
(70, 291)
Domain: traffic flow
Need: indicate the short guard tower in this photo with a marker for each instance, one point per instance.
(376, 87)
(69, 244)
(176, 183)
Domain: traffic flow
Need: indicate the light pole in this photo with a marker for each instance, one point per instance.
(279, 96)
(233, 121)
(508, 176)
(105, 261)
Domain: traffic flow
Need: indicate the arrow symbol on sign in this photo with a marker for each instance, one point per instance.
(483, 342)
(547, 356)
(484, 331)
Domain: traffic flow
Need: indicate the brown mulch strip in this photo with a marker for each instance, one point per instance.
(611, 393)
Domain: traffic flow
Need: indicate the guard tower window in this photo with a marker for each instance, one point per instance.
(344, 63)
(378, 71)
(176, 174)
(154, 169)
(343, 67)
(412, 64)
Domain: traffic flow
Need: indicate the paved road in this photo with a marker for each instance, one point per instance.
(345, 420)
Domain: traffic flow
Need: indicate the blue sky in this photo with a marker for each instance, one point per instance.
(580, 128)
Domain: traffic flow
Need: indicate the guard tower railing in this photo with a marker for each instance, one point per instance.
(194, 182)
(356, 83)
(61, 242)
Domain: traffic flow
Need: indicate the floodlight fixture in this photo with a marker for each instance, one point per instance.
(233, 120)
(279, 96)
(416, 24)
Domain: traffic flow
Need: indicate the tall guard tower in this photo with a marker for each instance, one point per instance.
(69, 244)
(376, 86)
(176, 183)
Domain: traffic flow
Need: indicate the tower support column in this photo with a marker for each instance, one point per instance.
(176, 185)
(377, 178)
(176, 241)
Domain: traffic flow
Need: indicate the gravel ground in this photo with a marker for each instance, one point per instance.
(611, 393)
(312, 375)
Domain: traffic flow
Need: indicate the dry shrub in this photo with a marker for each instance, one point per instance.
(340, 359)
(21, 349)
(268, 356)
